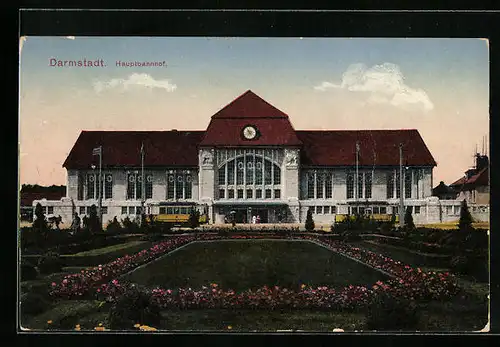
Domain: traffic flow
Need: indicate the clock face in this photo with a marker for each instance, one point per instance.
(249, 132)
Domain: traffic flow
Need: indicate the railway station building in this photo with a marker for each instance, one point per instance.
(252, 161)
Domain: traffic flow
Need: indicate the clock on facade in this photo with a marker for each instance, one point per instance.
(249, 132)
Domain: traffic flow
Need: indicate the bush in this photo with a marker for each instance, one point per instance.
(408, 221)
(50, 263)
(351, 235)
(130, 226)
(465, 222)
(114, 226)
(33, 304)
(28, 271)
(309, 221)
(387, 312)
(134, 306)
(194, 219)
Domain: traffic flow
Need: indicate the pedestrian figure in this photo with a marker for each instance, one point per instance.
(75, 224)
(254, 219)
(258, 219)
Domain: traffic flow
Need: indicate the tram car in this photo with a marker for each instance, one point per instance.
(177, 213)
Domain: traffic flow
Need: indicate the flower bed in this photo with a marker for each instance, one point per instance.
(410, 283)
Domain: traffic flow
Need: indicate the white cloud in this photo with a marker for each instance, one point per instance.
(384, 84)
(141, 80)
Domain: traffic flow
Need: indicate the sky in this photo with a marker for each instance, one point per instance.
(438, 86)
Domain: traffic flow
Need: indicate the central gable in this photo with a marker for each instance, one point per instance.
(272, 125)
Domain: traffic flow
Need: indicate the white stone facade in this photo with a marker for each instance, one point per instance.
(291, 205)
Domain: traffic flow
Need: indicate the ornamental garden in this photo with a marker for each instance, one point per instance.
(361, 275)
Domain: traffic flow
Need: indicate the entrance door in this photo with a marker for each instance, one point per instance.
(263, 213)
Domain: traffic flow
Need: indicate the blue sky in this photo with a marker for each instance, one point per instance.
(427, 84)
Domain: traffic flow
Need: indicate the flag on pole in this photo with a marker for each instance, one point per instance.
(97, 151)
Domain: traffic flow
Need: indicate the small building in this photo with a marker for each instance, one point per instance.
(474, 186)
(444, 192)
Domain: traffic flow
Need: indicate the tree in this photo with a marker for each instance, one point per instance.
(40, 223)
(309, 221)
(194, 218)
(409, 225)
(465, 222)
(93, 222)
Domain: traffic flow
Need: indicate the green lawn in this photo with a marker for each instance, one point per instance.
(241, 265)
(109, 249)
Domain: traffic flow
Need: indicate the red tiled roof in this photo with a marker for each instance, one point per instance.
(273, 126)
(377, 147)
(479, 179)
(27, 198)
(249, 105)
(122, 148)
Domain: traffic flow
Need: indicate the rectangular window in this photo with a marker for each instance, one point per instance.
(310, 185)
(328, 186)
(350, 185)
(240, 170)
(230, 193)
(334, 209)
(326, 209)
(319, 209)
(383, 210)
(249, 193)
(50, 209)
(149, 186)
(409, 208)
(91, 186)
(179, 186)
(170, 186)
(188, 187)
(131, 210)
(222, 175)
(170, 210)
(267, 172)
(368, 185)
(277, 194)
(395, 210)
(104, 209)
(240, 193)
(131, 186)
(417, 209)
(80, 187)
(408, 184)
(277, 175)
(222, 194)
(258, 193)
(230, 172)
(360, 185)
(268, 193)
(376, 210)
(163, 210)
(88, 210)
(457, 210)
(354, 210)
(449, 210)
(390, 185)
(124, 209)
(249, 170)
(108, 186)
(361, 210)
(138, 210)
(319, 186)
(82, 209)
(258, 171)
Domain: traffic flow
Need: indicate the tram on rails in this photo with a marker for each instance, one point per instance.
(177, 213)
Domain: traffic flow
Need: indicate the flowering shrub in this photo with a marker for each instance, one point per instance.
(407, 282)
(79, 285)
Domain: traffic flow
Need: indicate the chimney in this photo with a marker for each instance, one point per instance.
(481, 162)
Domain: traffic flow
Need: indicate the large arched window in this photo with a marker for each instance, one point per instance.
(244, 176)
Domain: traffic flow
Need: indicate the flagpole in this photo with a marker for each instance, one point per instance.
(143, 179)
(100, 185)
(401, 187)
(357, 173)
